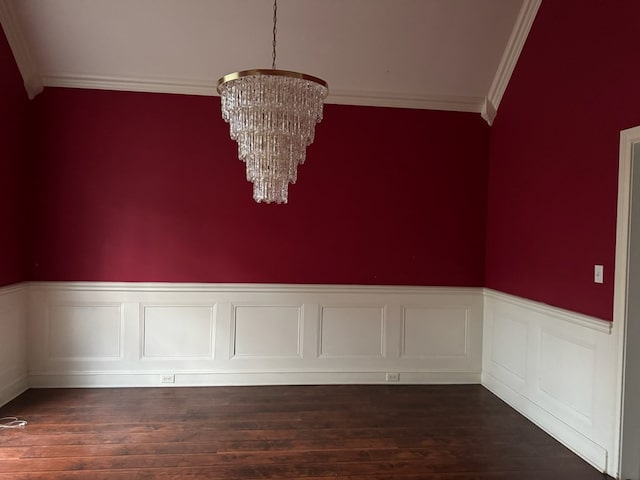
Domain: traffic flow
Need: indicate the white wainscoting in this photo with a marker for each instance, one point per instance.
(133, 334)
(557, 368)
(13, 341)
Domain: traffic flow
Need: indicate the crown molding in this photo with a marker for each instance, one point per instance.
(131, 84)
(489, 111)
(510, 57)
(21, 52)
(423, 102)
(208, 88)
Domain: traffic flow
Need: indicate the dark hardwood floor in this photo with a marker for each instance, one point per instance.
(456, 432)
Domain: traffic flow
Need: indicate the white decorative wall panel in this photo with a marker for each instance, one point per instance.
(567, 371)
(267, 331)
(13, 329)
(13, 342)
(134, 334)
(509, 342)
(352, 332)
(433, 332)
(178, 331)
(85, 331)
(558, 369)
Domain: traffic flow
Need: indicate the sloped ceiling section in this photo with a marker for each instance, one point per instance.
(432, 54)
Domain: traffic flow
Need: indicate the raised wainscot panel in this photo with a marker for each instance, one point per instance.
(13, 346)
(566, 372)
(434, 332)
(85, 331)
(352, 332)
(509, 342)
(267, 331)
(184, 331)
(13, 342)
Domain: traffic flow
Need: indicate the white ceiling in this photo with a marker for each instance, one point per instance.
(439, 54)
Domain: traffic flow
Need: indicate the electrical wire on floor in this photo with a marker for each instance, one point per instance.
(12, 422)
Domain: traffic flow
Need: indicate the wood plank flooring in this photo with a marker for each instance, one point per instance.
(365, 432)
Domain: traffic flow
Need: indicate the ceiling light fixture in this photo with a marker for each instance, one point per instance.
(272, 115)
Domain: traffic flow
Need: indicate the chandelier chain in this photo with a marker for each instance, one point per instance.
(275, 30)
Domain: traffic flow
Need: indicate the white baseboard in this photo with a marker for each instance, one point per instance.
(558, 369)
(191, 379)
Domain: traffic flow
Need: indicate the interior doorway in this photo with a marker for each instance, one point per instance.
(627, 302)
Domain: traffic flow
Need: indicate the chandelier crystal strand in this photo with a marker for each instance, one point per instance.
(272, 116)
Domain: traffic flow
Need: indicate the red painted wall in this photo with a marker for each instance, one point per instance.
(13, 170)
(554, 155)
(148, 187)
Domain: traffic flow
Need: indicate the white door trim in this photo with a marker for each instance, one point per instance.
(628, 138)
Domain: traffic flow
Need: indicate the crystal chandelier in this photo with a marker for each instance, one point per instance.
(272, 115)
